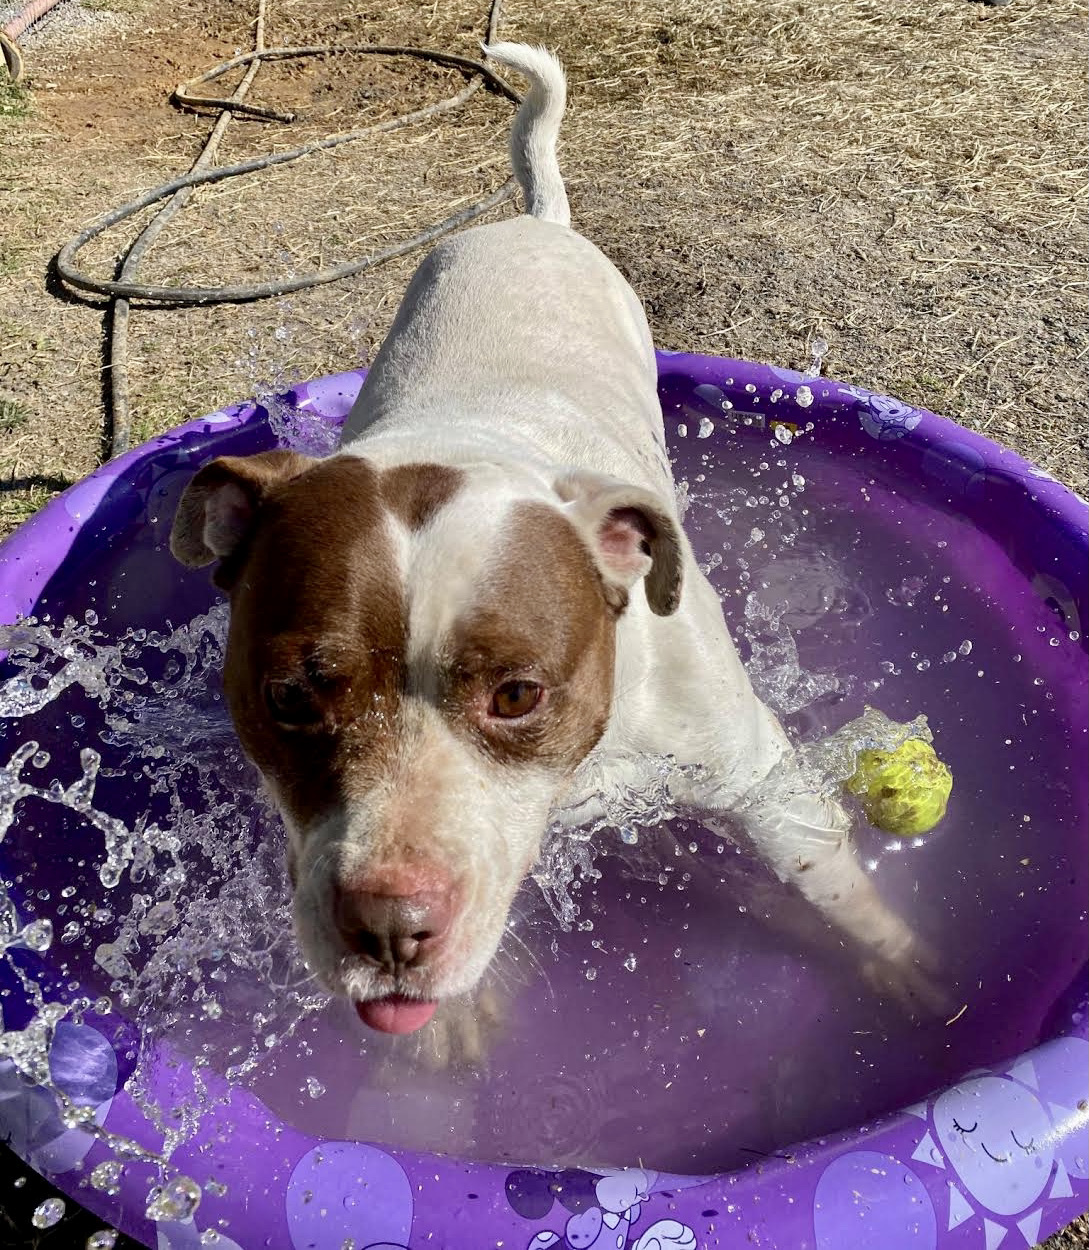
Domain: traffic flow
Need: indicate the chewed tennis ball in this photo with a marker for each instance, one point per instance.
(903, 791)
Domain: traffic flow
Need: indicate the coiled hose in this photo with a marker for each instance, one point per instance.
(125, 288)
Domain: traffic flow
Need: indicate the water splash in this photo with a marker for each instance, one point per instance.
(774, 668)
(827, 763)
(48, 1213)
(298, 428)
(158, 907)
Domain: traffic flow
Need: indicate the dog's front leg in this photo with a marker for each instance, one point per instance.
(804, 839)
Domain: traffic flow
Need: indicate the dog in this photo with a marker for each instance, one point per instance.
(484, 598)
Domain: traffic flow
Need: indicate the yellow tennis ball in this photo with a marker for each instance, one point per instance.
(903, 791)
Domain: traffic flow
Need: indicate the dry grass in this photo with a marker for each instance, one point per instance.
(907, 183)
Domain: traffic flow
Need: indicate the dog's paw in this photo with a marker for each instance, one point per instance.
(912, 978)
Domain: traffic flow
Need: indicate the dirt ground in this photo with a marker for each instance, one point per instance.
(904, 181)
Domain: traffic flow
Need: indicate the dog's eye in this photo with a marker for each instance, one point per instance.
(291, 703)
(515, 698)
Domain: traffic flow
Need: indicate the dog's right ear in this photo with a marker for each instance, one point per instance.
(631, 533)
(218, 508)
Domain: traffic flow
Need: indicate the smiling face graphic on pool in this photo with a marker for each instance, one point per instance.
(997, 1136)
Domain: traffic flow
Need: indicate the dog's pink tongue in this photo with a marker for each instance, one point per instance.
(395, 1014)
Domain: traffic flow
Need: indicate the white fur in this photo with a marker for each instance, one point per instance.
(536, 129)
(518, 353)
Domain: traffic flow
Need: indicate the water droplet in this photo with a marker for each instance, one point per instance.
(38, 935)
(76, 1117)
(211, 1009)
(965, 647)
(19, 1182)
(104, 1239)
(682, 430)
(628, 835)
(176, 1200)
(314, 1087)
(803, 397)
(50, 1212)
(629, 963)
(590, 973)
(783, 433)
(107, 1176)
(707, 428)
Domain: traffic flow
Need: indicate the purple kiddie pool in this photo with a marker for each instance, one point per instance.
(679, 1067)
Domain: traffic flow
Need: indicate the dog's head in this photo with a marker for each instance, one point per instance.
(419, 658)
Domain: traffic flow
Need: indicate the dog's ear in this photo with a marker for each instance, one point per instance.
(217, 509)
(632, 533)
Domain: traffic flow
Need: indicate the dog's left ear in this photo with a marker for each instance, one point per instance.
(631, 532)
(219, 507)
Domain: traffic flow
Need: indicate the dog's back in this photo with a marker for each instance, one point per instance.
(519, 337)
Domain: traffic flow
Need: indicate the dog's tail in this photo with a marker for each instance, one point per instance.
(536, 128)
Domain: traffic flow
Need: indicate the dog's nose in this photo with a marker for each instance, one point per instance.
(393, 931)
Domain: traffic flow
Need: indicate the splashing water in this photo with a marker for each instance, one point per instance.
(161, 906)
(818, 349)
(169, 908)
(621, 810)
(48, 1213)
(298, 429)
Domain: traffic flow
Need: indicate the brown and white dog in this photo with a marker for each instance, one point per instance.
(437, 631)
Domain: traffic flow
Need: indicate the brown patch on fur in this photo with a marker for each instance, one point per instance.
(317, 605)
(415, 492)
(317, 602)
(543, 617)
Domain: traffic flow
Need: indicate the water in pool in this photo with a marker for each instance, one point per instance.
(664, 1001)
